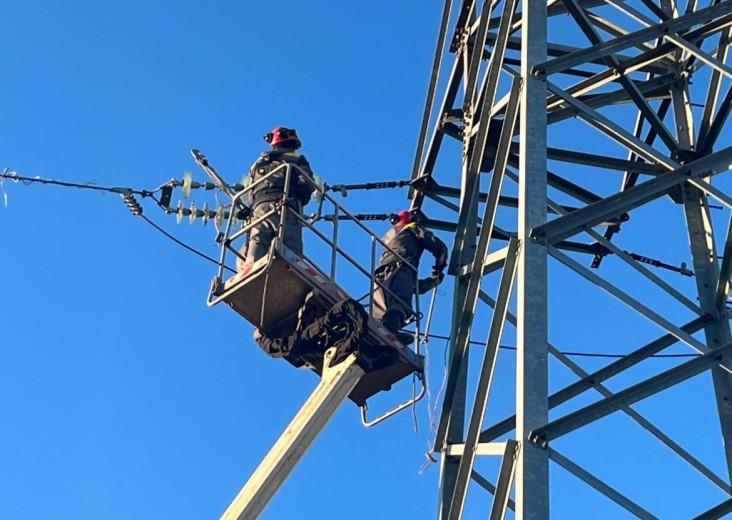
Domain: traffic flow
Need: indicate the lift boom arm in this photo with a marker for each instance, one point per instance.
(336, 383)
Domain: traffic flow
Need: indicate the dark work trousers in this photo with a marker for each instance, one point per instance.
(388, 310)
(262, 234)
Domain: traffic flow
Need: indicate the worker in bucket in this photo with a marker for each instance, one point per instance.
(406, 239)
(267, 195)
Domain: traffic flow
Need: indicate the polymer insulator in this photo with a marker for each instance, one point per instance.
(131, 202)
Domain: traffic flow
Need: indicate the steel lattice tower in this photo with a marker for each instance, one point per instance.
(612, 145)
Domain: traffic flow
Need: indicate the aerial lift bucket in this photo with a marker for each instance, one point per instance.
(271, 292)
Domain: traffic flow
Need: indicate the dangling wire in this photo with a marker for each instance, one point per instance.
(414, 406)
(6, 170)
(424, 340)
(432, 409)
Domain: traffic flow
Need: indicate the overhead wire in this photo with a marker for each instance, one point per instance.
(124, 192)
(14, 176)
(576, 354)
(183, 244)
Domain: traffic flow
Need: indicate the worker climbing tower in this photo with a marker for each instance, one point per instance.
(591, 213)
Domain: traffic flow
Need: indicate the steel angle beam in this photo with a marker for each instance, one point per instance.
(600, 486)
(640, 61)
(488, 486)
(596, 378)
(484, 448)
(612, 129)
(588, 414)
(725, 273)
(476, 146)
(624, 363)
(651, 87)
(467, 310)
(438, 132)
(718, 123)
(603, 161)
(554, 8)
(505, 478)
(699, 54)
(583, 21)
(532, 466)
(633, 303)
(608, 48)
(556, 181)
(475, 59)
(650, 427)
(717, 512)
(432, 88)
(595, 381)
(623, 202)
(556, 50)
(631, 177)
(715, 83)
(484, 384)
(713, 191)
(506, 201)
(703, 250)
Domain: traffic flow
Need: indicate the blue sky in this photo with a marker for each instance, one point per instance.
(122, 394)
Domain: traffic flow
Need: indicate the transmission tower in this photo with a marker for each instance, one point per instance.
(589, 137)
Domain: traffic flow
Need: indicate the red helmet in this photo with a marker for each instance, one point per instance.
(283, 135)
(404, 217)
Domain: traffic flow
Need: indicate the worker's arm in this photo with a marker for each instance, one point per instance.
(303, 188)
(435, 246)
(439, 250)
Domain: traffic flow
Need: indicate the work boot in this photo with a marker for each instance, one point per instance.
(405, 338)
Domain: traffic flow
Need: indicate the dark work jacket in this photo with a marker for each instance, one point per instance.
(410, 241)
(273, 188)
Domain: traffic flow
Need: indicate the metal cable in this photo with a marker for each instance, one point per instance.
(579, 354)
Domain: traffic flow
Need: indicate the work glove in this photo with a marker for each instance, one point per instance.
(427, 284)
(440, 263)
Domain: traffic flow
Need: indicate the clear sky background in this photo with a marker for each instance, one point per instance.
(122, 395)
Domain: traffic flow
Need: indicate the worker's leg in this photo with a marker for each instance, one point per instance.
(293, 232)
(398, 307)
(261, 235)
(379, 298)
